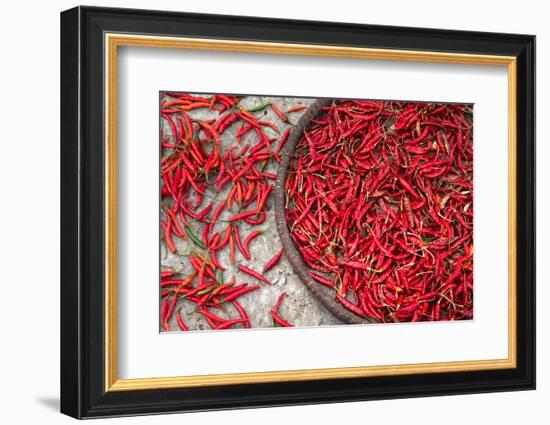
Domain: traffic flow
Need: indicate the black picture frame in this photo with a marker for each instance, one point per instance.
(83, 392)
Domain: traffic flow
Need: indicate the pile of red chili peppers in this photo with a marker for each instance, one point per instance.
(209, 195)
(379, 203)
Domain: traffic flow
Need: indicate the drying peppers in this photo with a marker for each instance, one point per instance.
(379, 197)
(214, 198)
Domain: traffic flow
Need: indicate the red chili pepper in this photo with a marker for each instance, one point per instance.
(279, 113)
(321, 279)
(163, 310)
(254, 274)
(279, 301)
(242, 313)
(351, 307)
(231, 289)
(229, 324)
(225, 238)
(168, 237)
(214, 258)
(274, 260)
(232, 249)
(242, 215)
(180, 322)
(177, 282)
(211, 316)
(280, 321)
(237, 238)
(275, 312)
(248, 240)
(239, 293)
(282, 141)
(170, 309)
(295, 108)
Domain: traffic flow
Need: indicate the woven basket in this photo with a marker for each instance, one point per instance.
(322, 293)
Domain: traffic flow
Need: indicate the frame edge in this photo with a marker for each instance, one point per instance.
(526, 219)
(70, 347)
(78, 398)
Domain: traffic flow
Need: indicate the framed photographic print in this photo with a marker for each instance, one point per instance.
(261, 212)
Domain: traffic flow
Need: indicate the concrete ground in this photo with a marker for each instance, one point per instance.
(299, 307)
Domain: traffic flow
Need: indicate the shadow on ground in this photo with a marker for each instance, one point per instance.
(49, 402)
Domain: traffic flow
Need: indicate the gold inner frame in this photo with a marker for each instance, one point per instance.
(113, 41)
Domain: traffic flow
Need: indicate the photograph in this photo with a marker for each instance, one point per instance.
(301, 212)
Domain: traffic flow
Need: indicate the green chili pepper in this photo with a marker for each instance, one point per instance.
(263, 164)
(259, 107)
(194, 237)
(206, 290)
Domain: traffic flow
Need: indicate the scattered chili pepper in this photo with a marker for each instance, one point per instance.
(240, 292)
(248, 240)
(295, 108)
(275, 313)
(242, 313)
(279, 113)
(254, 274)
(259, 107)
(229, 323)
(239, 244)
(274, 260)
(180, 322)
